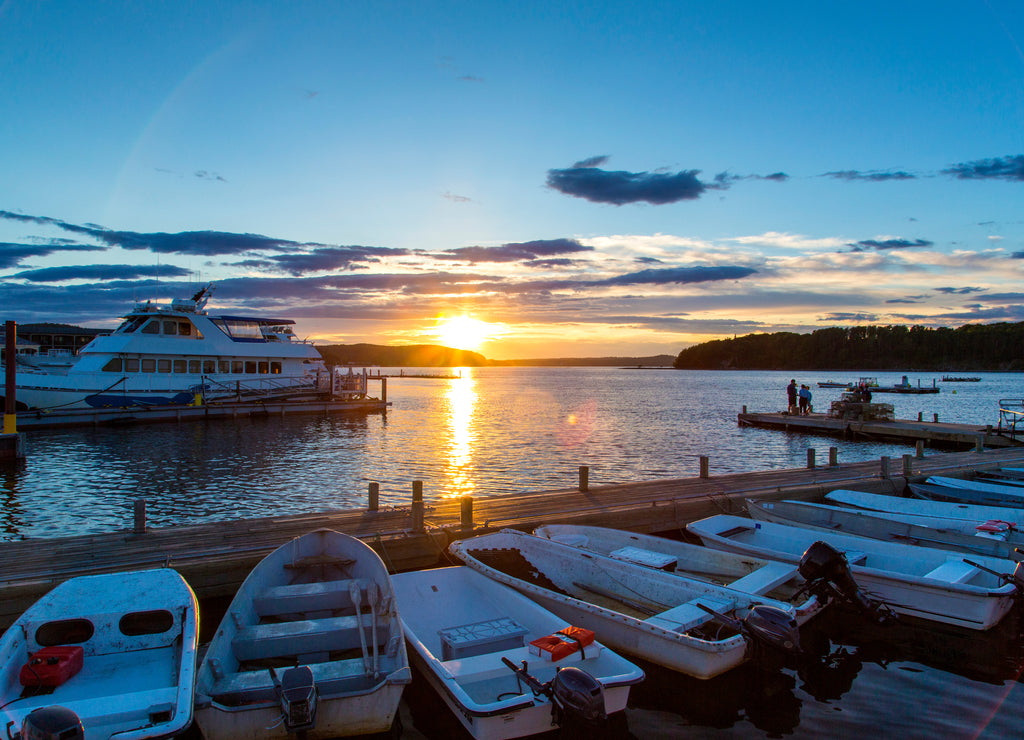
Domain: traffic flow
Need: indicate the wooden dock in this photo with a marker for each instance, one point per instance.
(901, 431)
(215, 558)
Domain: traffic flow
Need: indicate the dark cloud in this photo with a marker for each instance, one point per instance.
(870, 176)
(551, 263)
(867, 244)
(12, 254)
(328, 258)
(699, 274)
(860, 317)
(1017, 256)
(959, 291)
(515, 251)
(904, 300)
(101, 272)
(997, 168)
(204, 175)
(586, 180)
(206, 243)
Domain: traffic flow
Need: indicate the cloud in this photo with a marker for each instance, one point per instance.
(204, 175)
(699, 274)
(586, 180)
(515, 251)
(884, 244)
(206, 243)
(456, 198)
(860, 317)
(12, 254)
(870, 175)
(997, 168)
(959, 291)
(327, 258)
(101, 272)
(904, 300)
(1017, 256)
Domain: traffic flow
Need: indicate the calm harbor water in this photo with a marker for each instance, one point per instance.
(507, 430)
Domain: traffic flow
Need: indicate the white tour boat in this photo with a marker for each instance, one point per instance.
(177, 353)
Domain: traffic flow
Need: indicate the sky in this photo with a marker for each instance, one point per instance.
(525, 179)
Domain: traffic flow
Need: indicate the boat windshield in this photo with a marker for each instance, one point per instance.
(240, 329)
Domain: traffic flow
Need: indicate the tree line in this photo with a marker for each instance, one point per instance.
(973, 347)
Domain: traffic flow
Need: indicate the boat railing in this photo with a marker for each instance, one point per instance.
(1011, 413)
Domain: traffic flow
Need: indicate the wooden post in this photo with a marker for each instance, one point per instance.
(833, 456)
(373, 497)
(744, 408)
(908, 466)
(584, 479)
(384, 389)
(810, 459)
(467, 512)
(920, 416)
(920, 449)
(704, 466)
(140, 516)
(935, 418)
(10, 384)
(979, 443)
(417, 506)
(885, 467)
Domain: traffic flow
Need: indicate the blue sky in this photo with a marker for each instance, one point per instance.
(587, 179)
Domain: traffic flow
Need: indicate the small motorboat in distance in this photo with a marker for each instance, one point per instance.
(972, 591)
(941, 488)
(683, 624)
(311, 644)
(506, 666)
(945, 514)
(104, 656)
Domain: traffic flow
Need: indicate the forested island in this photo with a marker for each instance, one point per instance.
(433, 355)
(973, 347)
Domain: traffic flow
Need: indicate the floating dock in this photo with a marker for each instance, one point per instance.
(901, 431)
(214, 558)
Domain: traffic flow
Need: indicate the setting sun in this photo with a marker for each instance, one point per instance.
(463, 332)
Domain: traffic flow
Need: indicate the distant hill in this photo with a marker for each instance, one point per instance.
(432, 355)
(973, 347)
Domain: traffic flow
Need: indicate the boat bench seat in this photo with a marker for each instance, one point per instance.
(953, 571)
(765, 578)
(855, 557)
(101, 710)
(305, 637)
(649, 558)
(308, 597)
(687, 616)
(336, 676)
(484, 666)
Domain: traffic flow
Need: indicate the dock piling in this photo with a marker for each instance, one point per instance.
(908, 466)
(704, 466)
(920, 448)
(920, 416)
(466, 512)
(417, 506)
(833, 456)
(979, 443)
(139, 508)
(810, 459)
(885, 467)
(935, 418)
(584, 479)
(373, 497)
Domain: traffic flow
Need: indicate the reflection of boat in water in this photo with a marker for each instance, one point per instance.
(177, 354)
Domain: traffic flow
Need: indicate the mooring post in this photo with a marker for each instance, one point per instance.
(584, 479)
(140, 516)
(373, 497)
(935, 418)
(885, 467)
(744, 408)
(10, 384)
(920, 449)
(704, 466)
(417, 506)
(833, 456)
(979, 443)
(920, 416)
(384, 389)
(908, 466)
(467, 512)
(810, 459)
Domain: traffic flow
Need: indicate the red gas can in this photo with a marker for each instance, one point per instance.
(52, 666)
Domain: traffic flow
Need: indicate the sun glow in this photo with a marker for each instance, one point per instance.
(463, 332)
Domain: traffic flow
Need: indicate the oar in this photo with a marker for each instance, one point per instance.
(357, 601)
(373, 596)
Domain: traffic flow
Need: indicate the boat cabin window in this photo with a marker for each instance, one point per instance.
(181, 366)
(275, 368)
(130, 325)
(163, 366)
(149, 365)
(64, 632)
(237, 366)
(153, 622)
(224, 366)
(153, 327)
(113, 365)
(131, 365)
(264, 368)
(250, 366)
(209, 366)
(240, 330)
(195, 366)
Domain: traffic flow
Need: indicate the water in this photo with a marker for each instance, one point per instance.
(507, 430)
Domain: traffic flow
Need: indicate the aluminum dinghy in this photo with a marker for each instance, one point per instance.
(462, 627)
(946, 514)
(658, 616)
(116, 652)
(311, 644)
(989, 538)
(917, 581)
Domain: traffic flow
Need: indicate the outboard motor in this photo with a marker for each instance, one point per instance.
(297, 694)
(827, 574)
(50, 723)
(577, 698)
(773, 636)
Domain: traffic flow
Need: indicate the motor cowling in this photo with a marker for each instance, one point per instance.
(828, 574)
(298, 696)
(52, 723)
(773, 634)
(578, 696)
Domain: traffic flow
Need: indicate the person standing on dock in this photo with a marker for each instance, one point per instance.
(805, 399)
(791, 395)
